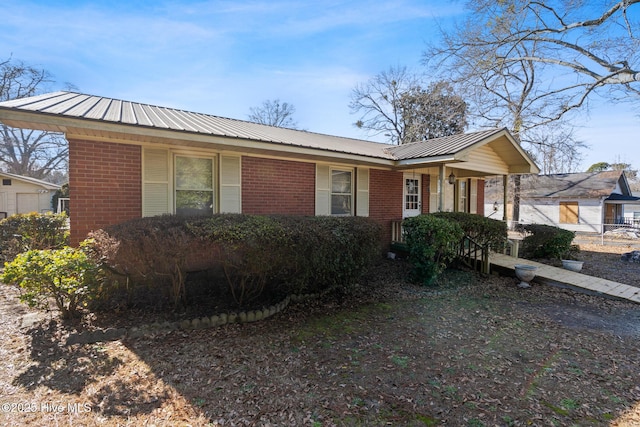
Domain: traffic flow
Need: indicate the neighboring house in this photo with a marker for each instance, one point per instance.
(129, 160)
(23, 194)
(632, 211)
(575, 201)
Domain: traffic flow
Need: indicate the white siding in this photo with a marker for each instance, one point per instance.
(547, 211)
(27, 203)
(24, 197)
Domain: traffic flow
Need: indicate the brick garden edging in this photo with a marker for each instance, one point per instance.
(114, 334)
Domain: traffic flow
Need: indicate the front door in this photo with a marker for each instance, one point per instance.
(412, 197)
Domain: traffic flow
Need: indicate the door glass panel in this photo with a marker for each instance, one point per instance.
(412, 197)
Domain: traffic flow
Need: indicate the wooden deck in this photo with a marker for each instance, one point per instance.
(554, 275)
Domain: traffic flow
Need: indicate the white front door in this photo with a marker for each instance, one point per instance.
(412, 196)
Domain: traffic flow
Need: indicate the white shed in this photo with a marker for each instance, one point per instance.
(23, 194)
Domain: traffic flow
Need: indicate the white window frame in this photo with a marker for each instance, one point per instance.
(463, 195)
(213, 189)
(350, 193)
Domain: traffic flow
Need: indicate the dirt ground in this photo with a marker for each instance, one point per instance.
(473, 351)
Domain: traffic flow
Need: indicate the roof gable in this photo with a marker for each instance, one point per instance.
(30, 180)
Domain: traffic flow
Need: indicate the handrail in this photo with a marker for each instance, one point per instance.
(397, 234)
(474, 254)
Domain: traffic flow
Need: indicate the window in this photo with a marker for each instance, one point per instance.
(194, 185)
(6, 182)
(341, 192)
(568, 212)
(462, 201)
(412, 196)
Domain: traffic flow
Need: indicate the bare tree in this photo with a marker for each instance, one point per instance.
(28, 152)
(379, 102)
(527, 64)
(394, 104)
(274, 113)
(584, 47)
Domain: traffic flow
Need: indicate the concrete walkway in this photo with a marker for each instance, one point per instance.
(554, 275)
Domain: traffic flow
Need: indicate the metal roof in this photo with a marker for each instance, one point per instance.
(96, 109)
(448, 145)
(582, 185)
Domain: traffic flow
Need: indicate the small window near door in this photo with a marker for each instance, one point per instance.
(6, 182)
(412, 194)
(568, 212)
(463, 205)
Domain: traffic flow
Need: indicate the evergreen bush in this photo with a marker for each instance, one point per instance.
(485, 231)
(433, 243)
(24, 232)
(65, 276)
(546, 241)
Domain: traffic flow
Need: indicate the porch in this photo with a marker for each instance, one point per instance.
(470, 252)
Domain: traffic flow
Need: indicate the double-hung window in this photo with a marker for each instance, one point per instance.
(341, 191)
(194, 185)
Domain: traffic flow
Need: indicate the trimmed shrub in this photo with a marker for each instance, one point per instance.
(256, 256)
(24, 232)
(62, 275)
(145, 257)
(432, 243)
(546, 241)
(485, 231)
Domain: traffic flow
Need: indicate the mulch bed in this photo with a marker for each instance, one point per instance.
(473, 351)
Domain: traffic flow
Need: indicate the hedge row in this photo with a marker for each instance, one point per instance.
(485, 231)
(24, 232)
(255, 256)
(547, 241)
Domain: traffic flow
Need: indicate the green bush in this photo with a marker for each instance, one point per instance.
(432, 243)
(256, 256)
(546, 241)
(24, 232)
(485, 231)
(64, 275)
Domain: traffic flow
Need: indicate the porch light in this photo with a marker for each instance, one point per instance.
(452, 178)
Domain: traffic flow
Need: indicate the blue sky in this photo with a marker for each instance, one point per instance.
(224, 57)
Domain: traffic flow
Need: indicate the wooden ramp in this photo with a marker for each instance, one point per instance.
(554, 275)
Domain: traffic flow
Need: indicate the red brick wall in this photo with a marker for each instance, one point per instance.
(272, 186)
(105, 185)
(385, 199)
(480, 192)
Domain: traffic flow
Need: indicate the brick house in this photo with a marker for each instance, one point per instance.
(129, 160)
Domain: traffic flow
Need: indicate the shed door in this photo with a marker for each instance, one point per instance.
(27, 203)
(412, 202)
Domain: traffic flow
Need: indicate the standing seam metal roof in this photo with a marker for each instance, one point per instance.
(89, 107)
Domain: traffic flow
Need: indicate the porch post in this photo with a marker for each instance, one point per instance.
(505, 198)
(441, 178)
